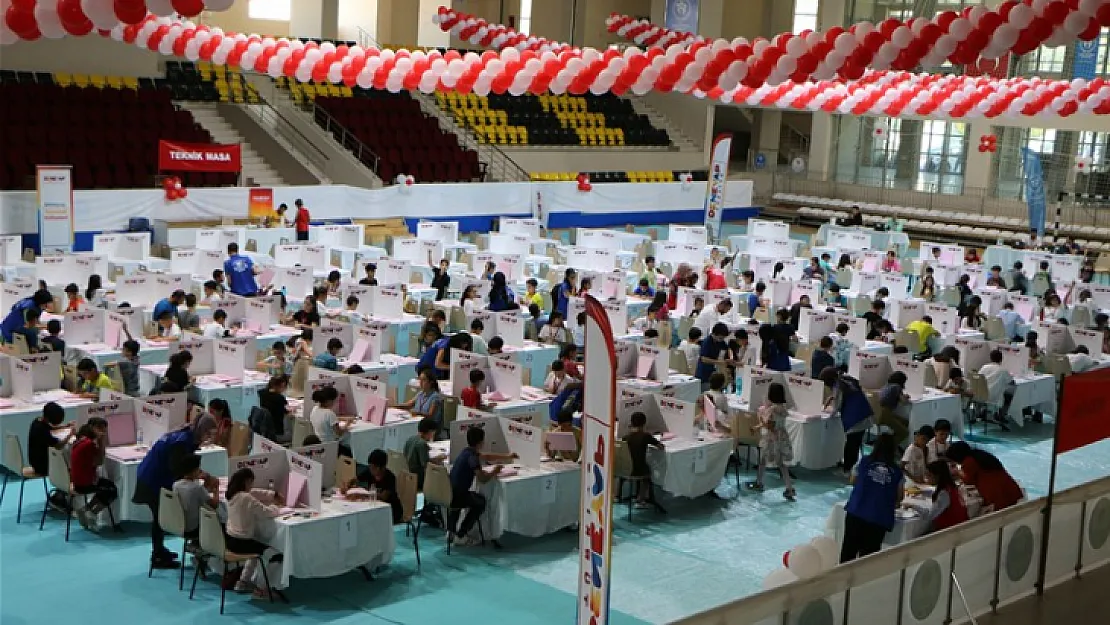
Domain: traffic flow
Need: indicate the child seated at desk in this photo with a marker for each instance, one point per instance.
(643, 289)
(478, 344)
(569, 356)
(637, 441)
(277, 363)
(427, 403)
(466, 468)
(565, 423)
(329, 359)
(217, 328)
(378, 477)
(649, 321)
(85, 458)
(40, 437)
(472, 395)
(716, 396)
(579, 333)
(948, 507)
(195, 489)
(496, 346)
(555, 331)
(914, 460)
(165, 328)
(211, 294)
(247, 509)
(937, 447)
(178, 371)
(90, 380)
(30, 329)
(53, 339)
(325, 423)
(189, 319)
(74, 301)
(221, 412)
(557, 380)
(699, 305)
(531, 297)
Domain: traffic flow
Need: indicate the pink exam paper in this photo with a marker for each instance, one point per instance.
(710, 411)
(121, 429)
(125, 454)
(666, 436)
(643, 367)
(266, 277)
(508, 472)
(294, 488)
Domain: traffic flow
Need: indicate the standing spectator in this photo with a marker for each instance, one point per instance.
(302, 220)
(876, 494)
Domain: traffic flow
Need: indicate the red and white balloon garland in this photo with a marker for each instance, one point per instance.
(479, 32)
(28, 20)
(961, 38)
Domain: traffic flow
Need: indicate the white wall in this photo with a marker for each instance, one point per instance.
(546, 160)
(691, 116)
(355, 14)
(84, 55)
(237, 19)
(427, 33)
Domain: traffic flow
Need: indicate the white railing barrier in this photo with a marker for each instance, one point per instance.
(996, 558)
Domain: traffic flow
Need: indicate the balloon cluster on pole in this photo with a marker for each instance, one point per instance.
(174, 189)
(479, 32)
(584, 184)
(988, 143)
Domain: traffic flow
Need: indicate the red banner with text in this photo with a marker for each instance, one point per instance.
(174, 156)
(1084, 413)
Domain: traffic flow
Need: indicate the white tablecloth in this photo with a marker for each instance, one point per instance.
(1037, 392)
(125, 475)
(149, 354)
(690, 468)
(684, 387)
(817, 440)
(932, 406)
(17, 419)
(906, 528)
(365, 437)
(323, 546)
(535, 502)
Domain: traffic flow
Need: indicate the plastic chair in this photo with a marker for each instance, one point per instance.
(995, 330)
(678, 362)
(622, 471)
(437, 492)
(13, 462)
(239, 440)
(744, 434)
(406, 492)
(396, 462)
(981, 397)
(171, 517)
(345, 470)
(212, 543)
(301, 429)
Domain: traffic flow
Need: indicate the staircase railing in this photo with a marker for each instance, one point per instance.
(499, 165)
(347, 139)
(270, 118)
(366, 40)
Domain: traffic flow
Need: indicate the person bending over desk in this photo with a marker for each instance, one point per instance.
(565, 424)
(377, 476)
(325, 423)
(467, 468)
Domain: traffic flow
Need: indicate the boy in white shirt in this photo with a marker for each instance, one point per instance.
(691, 349)
(216, 329)
(937, 448)
(1000, 386)
(554, 331)
(478, 343)
(648, 321)
(913, 461)
(558, 381)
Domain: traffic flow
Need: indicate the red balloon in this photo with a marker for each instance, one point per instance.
(21, 21)
(1055, 12)
(70, 11)
(1091, 32)
(79, 29)
(1005, 8)
(1103, 15)
(129, 12)
(945, 19)
(874, 40)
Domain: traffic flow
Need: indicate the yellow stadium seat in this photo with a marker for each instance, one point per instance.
(63, 79)
(523, 135)
(346, 92)
(81, 80)
(535, 177)
(130, 82)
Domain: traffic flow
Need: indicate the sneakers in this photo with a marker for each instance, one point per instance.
(756, 486)
(165, 563)
(790, 494)
(89, 520)
(464, 541)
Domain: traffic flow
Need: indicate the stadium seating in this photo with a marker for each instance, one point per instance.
(401, 137)
(589, 120)
(206, 82)
(107, 127)
(618, 176)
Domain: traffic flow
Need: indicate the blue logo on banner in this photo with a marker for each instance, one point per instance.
(682, 15)
(760, 160)
(1034, 190)
(1086, 59)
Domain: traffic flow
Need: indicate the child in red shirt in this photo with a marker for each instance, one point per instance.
(85, 458)
(472, 395)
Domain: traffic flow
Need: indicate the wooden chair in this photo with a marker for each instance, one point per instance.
(762, 315)
(450, 411)
(171, 518)
(19, 345)
(684, 325)
(981, 398)
(860, 304)
(930, 376)
(406, 491)
(62, 483)
(437, 492)
(345, 470)
(112, 369)
(299, 378)
(844, 278)
(994, 330)
(622, 471)
(301, 429)
(804, 352)
(212, 543)
(910, 339)
(1081, 316)
(396, 461)
(13, 462)
(1038, 286)
(678, 362)
(665, 334)
(239, 440)
(745, 434)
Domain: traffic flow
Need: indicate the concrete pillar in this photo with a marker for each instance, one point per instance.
(977, 169)
(848, 149)
(822, 135)
(314, 18)
(768, 135)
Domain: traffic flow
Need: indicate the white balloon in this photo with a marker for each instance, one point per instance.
(335, 73)
(845, 43)
(101, 13)
(1075, 23)
(778, 577)
(273, 67)
(959, 28)
(1089, 7)
(805, 561)
(1039, 6)
(1020, 16)
(160, 7)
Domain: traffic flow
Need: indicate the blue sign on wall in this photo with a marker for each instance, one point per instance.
(682, 15)
(1034, 190)
(1086, 59)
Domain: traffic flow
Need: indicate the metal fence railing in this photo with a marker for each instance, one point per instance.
(498, 166)
(272, 119)
(950, 576)
(346, 138)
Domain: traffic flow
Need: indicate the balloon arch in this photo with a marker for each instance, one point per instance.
(866, 69)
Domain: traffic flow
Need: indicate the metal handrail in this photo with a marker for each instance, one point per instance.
(499, 165)
(864, 571)
(270, 117)
(346, 138)
(365, 39)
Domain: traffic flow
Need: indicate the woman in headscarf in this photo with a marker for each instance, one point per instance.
(159, 470)
(501, 298)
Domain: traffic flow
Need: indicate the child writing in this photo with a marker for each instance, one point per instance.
(774, 441)
(913, 461)
(248, 508)
(472, 395)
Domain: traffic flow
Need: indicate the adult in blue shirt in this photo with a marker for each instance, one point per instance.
(501, 297)
(466, 468)
(714, 352)
(240, 272)
(168, 305)
(876, 494)
(566, 291)
(433, 338)
(850, 402)
(158, 470)
(17, 316)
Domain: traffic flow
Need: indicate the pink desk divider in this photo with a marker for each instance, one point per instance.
(121, 429)
(375, 414)
(666, 436)
(643, 367)
(266, 277)
(561, 441)
(358, 352)
(294, 489)
(710, 411)
(112, 332)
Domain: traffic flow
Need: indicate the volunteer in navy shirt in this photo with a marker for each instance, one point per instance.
(876, 494)
(168, 305)
(18, 314)
(240, 272)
